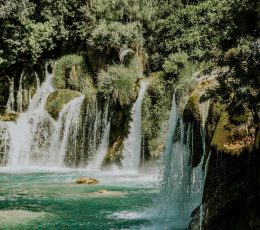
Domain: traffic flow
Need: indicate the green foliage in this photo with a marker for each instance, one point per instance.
(71, 73)
(115, 35)
(239, 85)
(67, 66)
(203, 30)
(118, 82)
(175, 62)
(155, 112)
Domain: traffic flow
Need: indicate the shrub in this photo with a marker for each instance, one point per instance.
(71, 73)
(118, 82)
(175, 62)
(108, 35)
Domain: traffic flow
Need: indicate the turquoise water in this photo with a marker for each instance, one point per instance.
(41, 199)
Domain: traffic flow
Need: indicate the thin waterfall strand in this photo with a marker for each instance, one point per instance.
(132, 144)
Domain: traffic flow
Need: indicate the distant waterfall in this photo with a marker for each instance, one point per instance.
(30, 134)
(132, 144)
(19, 97)
(181, 185)
(79, 137)
(11, 100)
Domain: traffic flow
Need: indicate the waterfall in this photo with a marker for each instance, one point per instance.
(180, 184)
(19, 97)
(96, 163)
(65, 133)
(99, 156)
(123, 53)
(30, 134)
(10, 102)
(204, 109)
(132, 144)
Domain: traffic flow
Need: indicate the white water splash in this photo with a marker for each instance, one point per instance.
(132, 144)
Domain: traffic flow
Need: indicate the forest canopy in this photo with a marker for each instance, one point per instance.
(173, 33)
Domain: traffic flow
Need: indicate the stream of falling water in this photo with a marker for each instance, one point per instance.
(11, 100)
(65, 134)
(132, 144)
(36, 139)
(180, 184)
(29, 135)
(98, 158)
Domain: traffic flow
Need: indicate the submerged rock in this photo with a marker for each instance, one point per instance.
(87, 180)
(18, 217)
(104, 192)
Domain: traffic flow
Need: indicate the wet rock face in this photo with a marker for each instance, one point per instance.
(4, 92)
(231, 196)
(231, 193)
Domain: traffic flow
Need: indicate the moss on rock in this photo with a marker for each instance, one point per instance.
(230, 138)
(57, 99)
(192, 110)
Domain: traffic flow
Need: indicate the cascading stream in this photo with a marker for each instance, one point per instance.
(19, 97)
(65, 132)
(180, 184)
(11, 100)
(132, 144)
(98, 158)
(30, 134)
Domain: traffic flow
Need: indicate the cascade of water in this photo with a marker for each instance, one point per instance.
(10, 102)
(132, 144)
(38, 82)
(204, 108)
(19, 97)
(65, 134)
(123, 52)
(180, 185)
(30, 135)
(96, 163)
(98, 158)
(90, 137)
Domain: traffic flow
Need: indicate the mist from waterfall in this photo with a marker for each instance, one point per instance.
(132, 144)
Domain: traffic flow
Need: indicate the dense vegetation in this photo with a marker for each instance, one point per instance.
(175, 34)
